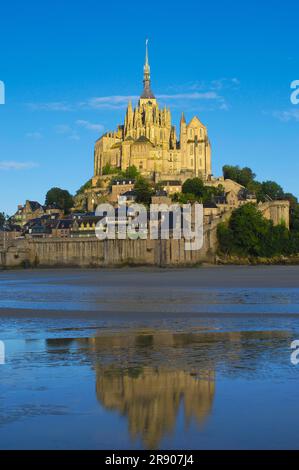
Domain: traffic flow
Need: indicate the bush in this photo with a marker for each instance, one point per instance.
(248, 233)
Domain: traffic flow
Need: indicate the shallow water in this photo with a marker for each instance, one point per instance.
(149, 359)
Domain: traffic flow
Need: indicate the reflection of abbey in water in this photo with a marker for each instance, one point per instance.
(150, 396)
(145, 378)
(148, 376)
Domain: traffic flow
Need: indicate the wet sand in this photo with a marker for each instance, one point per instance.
(204, 276)
(140, 292)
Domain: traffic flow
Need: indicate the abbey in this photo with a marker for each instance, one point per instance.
(149, 141)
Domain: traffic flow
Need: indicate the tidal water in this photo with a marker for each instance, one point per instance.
(154, 359)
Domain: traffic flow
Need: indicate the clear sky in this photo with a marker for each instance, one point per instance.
(69, 68)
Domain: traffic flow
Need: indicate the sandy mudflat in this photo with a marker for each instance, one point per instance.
(151, 293)
(207, 276)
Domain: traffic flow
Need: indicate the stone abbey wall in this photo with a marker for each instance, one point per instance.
(93, 252)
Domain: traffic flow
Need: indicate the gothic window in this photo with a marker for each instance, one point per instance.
(191, 161)
(191, 149)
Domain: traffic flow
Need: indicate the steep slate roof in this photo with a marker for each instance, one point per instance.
(34, 205)
(209, 205)
(147, 92)
(64, 224)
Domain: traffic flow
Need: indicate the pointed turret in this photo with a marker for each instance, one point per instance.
(183, 140)
(129, 119)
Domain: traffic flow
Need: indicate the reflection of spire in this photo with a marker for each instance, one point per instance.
(147, 92)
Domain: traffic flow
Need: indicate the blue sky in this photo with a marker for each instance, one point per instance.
(69, 68)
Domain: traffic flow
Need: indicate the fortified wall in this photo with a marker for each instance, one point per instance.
(92, 252)
(277, 211)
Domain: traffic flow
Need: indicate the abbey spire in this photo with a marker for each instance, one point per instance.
(147, 92)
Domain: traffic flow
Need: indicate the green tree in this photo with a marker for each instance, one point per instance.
(270, 190)
(294, 211)
(225, 237)
(246, 176)
(2, 219)
(194, 190)
(110, 170)
(85, 186)
(210, 192)
(256, 188)
(61, 197)
(131, 172)
(194, 186)
(294, 218)
(187, 198)
(243, 176)
(248, 233)
(143, 190)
